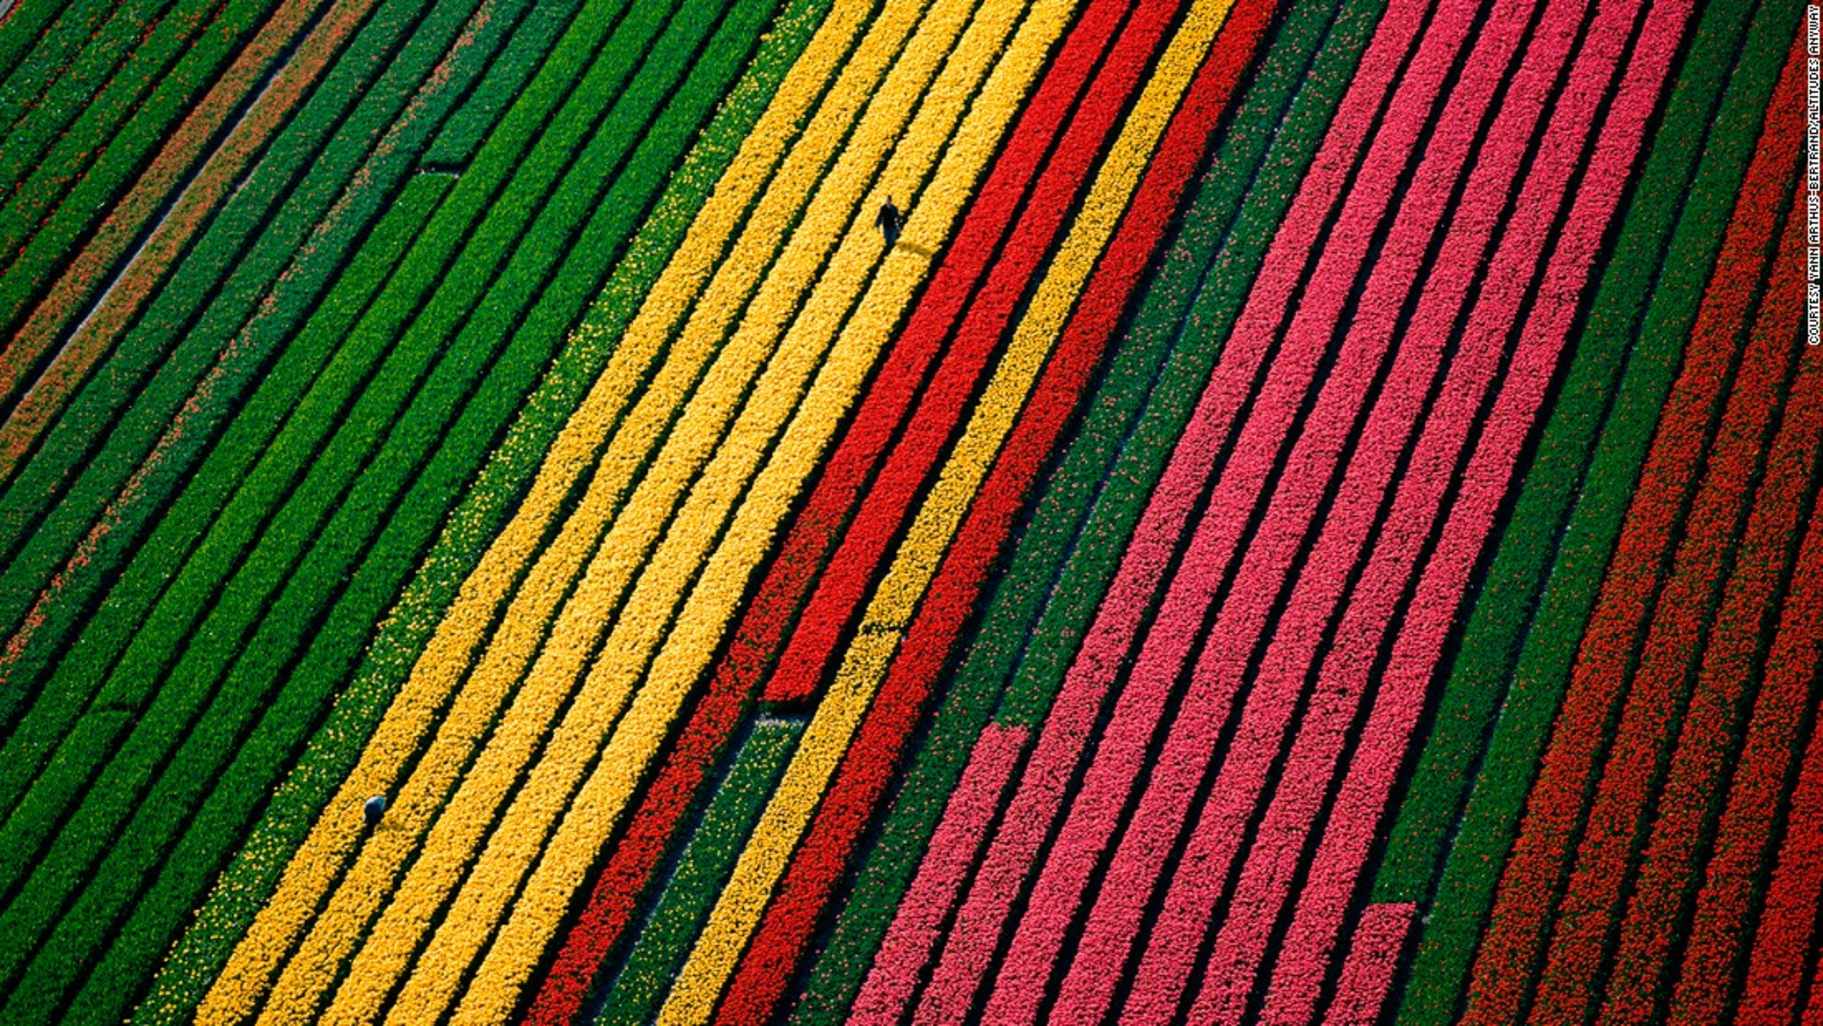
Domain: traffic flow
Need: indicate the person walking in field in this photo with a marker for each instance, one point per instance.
(373, 808)
(890, 220)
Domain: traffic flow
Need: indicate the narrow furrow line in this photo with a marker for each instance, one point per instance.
(953, 847)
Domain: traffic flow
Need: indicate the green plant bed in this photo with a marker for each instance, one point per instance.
(337, 637)
(299, 370)
(115, 415)
(703, 868)
(35, 49)
(101, 82)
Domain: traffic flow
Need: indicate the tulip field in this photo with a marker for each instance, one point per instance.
(909, 512)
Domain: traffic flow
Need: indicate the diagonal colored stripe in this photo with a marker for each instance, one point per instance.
(632, 653)
(1266, 567)
(1060, 746)
(1165, 325)
(1722, 925)
(915, 929)
(1543, 652)
(1734, 550)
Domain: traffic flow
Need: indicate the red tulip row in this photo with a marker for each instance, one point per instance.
(1788, 916)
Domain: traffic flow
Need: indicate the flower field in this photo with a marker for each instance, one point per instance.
(1308, 513)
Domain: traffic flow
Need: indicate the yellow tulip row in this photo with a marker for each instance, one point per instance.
(864, 665)
(321, 859)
